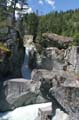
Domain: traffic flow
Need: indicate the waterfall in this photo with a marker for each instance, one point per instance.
(26, 72)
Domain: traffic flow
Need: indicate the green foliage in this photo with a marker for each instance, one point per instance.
(6, 11)
(62, 23)
(76, 39)
(31, 23)
(2, 10)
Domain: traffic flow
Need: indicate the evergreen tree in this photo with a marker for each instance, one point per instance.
(2, 10)
(12, 8)
(31, 22)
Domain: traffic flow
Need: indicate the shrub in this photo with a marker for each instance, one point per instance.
(76, 39)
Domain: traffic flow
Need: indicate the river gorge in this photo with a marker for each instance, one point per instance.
(44, 86)
(39, 60)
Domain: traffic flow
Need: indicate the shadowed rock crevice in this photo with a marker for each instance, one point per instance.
(12, 62)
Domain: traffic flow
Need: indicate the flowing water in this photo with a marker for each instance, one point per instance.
(29, 112)
(26, 72)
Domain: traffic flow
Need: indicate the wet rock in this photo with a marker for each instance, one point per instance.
(32, 59)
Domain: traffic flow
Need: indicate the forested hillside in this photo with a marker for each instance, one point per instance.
(62, 23)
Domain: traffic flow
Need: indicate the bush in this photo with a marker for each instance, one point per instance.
(76, 39)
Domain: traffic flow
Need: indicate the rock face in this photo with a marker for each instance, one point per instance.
(32, 59)
(72, 58)
(52, 59)
(63, 89)
(18, 92)
(55, 59)
(59, 74)
(13, 62)
(66, 93)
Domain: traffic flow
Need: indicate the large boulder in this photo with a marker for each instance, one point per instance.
(55, 40)
(18, 92)
(66, 94)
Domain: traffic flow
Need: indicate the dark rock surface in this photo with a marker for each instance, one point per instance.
(11, 65)
(32, 59)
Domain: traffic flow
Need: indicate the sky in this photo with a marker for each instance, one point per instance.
(46, 6)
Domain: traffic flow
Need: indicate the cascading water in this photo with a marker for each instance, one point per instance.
(26, 72)
(29, 46)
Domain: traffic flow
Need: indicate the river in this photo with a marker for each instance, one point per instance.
(29, 112)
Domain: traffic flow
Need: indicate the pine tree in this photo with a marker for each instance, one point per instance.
(12, 8)
(2, 10)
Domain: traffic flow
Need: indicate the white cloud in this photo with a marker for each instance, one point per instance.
(51, 2)
(40, 2)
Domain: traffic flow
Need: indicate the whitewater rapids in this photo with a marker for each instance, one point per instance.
(29, 112)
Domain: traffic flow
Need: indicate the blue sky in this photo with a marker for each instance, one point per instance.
(45, 6)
